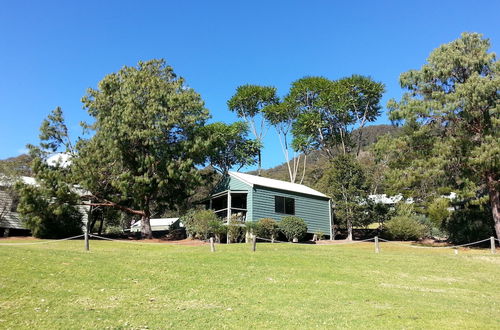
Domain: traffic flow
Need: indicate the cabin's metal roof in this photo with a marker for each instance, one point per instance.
(276, 184)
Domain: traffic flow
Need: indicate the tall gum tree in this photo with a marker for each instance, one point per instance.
(248, 103)
(229, 146)
(455, 97)
(328, 111)
(282, 116)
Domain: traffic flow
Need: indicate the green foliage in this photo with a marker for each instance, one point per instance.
(469, 225)
(409, 166)
(201, 223)
(345, 183)
(113, 230)
(318, 162)
(248, 102)
(405, 227)
(49, 208)
(236, 229)
(16, 166)
(229, 146)
(293, 227)
(328, 111)
(453, 125)
(438, 211)
(405, 224)
(378, 212)
(282, 116)
(217, 228)
(267, 228)
(145, 143)
(48, 217)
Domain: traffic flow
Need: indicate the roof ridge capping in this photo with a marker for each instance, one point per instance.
(277, 184)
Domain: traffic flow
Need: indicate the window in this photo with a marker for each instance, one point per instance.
(284, 205)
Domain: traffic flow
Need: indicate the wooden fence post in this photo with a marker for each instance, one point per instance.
(377, 247)
(254, 242)
(87, 245)
(492, 243)
(212, 244)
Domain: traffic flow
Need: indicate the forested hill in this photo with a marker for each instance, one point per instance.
(317, 162)
(19, 165)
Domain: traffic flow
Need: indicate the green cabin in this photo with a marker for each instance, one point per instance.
(253, 197)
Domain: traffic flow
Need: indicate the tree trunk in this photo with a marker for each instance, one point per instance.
(349, 230)
(146, 226)
(91, 224)
(101, 225)
(494, 201)
(260, 164)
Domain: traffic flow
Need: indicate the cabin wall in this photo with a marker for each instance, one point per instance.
(313, 209)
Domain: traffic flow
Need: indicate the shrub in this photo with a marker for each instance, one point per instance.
(431, 230)
(438, 211)
(293, 227)
(199, 223)
(267, 228)
(217, 228)
(236, 229)
(469, 225)
(113, 230)
(405, 227)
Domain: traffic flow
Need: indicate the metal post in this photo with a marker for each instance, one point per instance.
(212, 244)
(254, 243)
(492, 243)
(377, 247)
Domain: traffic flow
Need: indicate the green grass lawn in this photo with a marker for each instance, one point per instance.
(119, 285)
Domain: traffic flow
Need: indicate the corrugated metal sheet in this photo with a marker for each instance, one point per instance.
(276, 184)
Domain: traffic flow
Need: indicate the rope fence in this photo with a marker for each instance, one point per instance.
(129, 242)
(299, 243)
(434, 247)
(44, 242)
(376, 240)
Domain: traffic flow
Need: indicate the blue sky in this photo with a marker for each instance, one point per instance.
(51, 52)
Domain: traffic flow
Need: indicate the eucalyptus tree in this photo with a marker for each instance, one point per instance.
(282, 116)
(453, 100)
(328, 111)
(248, 103)
(363, 99)
(229, 146)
